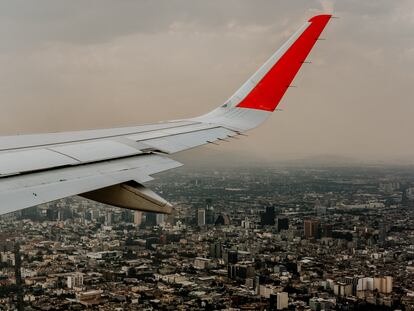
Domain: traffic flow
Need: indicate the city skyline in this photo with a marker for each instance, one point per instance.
(275, 238)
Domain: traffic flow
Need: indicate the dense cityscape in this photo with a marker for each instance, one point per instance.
(260, 238)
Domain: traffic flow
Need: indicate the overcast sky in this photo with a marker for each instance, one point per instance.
(71, 65)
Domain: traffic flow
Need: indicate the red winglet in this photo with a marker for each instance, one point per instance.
(267, 94)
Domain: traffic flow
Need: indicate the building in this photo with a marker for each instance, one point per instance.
(210, 215)
(108, 219)
(267, 218)
(150, 219)
(382, 235)
(282, 223)
(103, 255)
(160, 219)
(326, 230)
(216, 250)
(243, 270)
(311, 228)
(52, 214)
(127, 216)
(202, 263)
(138, 216)
(282, 301)
(317, 303)
(320, 210)
(201, 217)
(75, 280)
(92, 297)
(231, 257)
(342, 289)
(222, 220)
(381, 284)
(354, 282)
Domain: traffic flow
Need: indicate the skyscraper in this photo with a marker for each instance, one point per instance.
(216, 250)
(201, 217)
(282, 223)
(18, 275)
(320, 209)
(108, 218)
(127, 216)
(75, 280)
(210, 217)
(160, 219)
(150, 219)
(267, 218)
(222, 220)
(326, 230)
(137, 218)
(282, 301)
(311, 228)
(382, 235)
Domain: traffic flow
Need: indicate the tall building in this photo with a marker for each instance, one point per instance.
(241, 270)
(18, 276)
(127, 216)
(311, 228)
(95, 215)
(320, 210)
(222, 220)
(31, 213)
(282, 223)
(87, 215)
(216, 250)
(267, 218)
(150, 219)
(382, 235)
(160, 219)
(65, 213)
(137, 218)
(282, 301)
(231, 257)
(108, 219)
(52, 214)
(353, 281)
(326, 230)
(381, 284)
(210, 215)
(75, 280)
(201, 217)
(342, 289)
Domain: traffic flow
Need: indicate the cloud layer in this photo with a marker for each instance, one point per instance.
(84, 64)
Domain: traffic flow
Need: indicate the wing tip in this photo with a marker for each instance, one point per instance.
(320, 18)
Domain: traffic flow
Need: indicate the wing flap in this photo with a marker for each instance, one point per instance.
(23, 191)
(176, 143)
(30, 160)
(43, 140)
(96, 150)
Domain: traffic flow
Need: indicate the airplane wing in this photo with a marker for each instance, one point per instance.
(110, 165)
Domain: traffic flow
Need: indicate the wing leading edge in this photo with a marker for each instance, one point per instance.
(110, 165)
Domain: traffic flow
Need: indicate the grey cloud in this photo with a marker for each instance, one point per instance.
(26, 23)
(84, 64)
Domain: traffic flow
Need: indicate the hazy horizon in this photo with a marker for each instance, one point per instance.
(81, 65)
